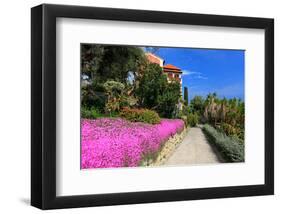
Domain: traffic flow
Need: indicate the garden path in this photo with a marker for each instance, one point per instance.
(194, 149)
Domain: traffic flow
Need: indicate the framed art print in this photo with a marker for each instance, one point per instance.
(133, 106)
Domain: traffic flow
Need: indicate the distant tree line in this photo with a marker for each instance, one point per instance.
(227, 115)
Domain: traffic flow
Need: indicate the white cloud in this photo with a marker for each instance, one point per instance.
(193, 74)
(188, 72)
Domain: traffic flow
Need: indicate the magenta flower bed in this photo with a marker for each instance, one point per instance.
(110, 143)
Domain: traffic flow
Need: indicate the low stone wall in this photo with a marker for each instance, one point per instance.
(168, 148)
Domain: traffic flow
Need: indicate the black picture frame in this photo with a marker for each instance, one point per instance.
(43, 106)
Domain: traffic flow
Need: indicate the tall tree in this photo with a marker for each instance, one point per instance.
(167, 102)
(91, 58)
(109, 62)
(151, 85)
(156, 93)
(197, 104)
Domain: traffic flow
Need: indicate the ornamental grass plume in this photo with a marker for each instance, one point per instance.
(115, 142)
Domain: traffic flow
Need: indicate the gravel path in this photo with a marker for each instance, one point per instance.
(194, 149)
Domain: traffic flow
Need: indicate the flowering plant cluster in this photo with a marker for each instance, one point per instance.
(115, 142)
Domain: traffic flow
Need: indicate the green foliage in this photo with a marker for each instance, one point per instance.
(230, 148)
(197, 104)
(128, 101)
(151, 85)
(91, 98)
(114, 92)
(109, 87)
(228, 129)
(140, 115)
(227, 115)
(98, 87)
(104, 62)
(167, 102)
(192, 119)
(184, 118)
(156, 93)
(185, 110)
(149, 116)
(90, 113)
(107, 98)
(113, 88)
(91, 58)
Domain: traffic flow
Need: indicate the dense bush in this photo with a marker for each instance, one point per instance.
(192, 119)
(114, 91)
(91, 98)
(140, 115)
(167, 102)
(228, 129)
(197, 105)
(230, 148)
(150, 85)
(154, 91)
(128, 101)
(90, 113)
(233, 131)
(227, 114)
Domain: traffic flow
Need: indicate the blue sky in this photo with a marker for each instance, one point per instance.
(208, 70)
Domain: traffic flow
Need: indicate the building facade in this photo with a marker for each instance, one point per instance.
(173, 73)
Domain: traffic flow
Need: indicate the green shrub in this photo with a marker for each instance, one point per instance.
(230, 148)
(90, 113)
(149, 116)
(114, 91)
(91, 98)
(128, 101)
(155, 92)
(140, 115)
(184, 118)
(232, 131)
(228, 129)
(192, 119)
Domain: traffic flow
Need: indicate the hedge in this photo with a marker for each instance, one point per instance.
(230, 149)
(140, 115)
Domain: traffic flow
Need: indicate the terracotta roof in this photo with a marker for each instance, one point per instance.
(172, 68)
(154, 55)
(153, 58)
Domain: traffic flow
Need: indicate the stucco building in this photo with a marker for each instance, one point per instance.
(172, 72)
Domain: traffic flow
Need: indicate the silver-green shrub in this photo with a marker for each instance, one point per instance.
(230, 148)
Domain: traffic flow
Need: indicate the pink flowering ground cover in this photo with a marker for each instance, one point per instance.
(110, 143)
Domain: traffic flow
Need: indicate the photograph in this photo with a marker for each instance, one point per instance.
(144, 106)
